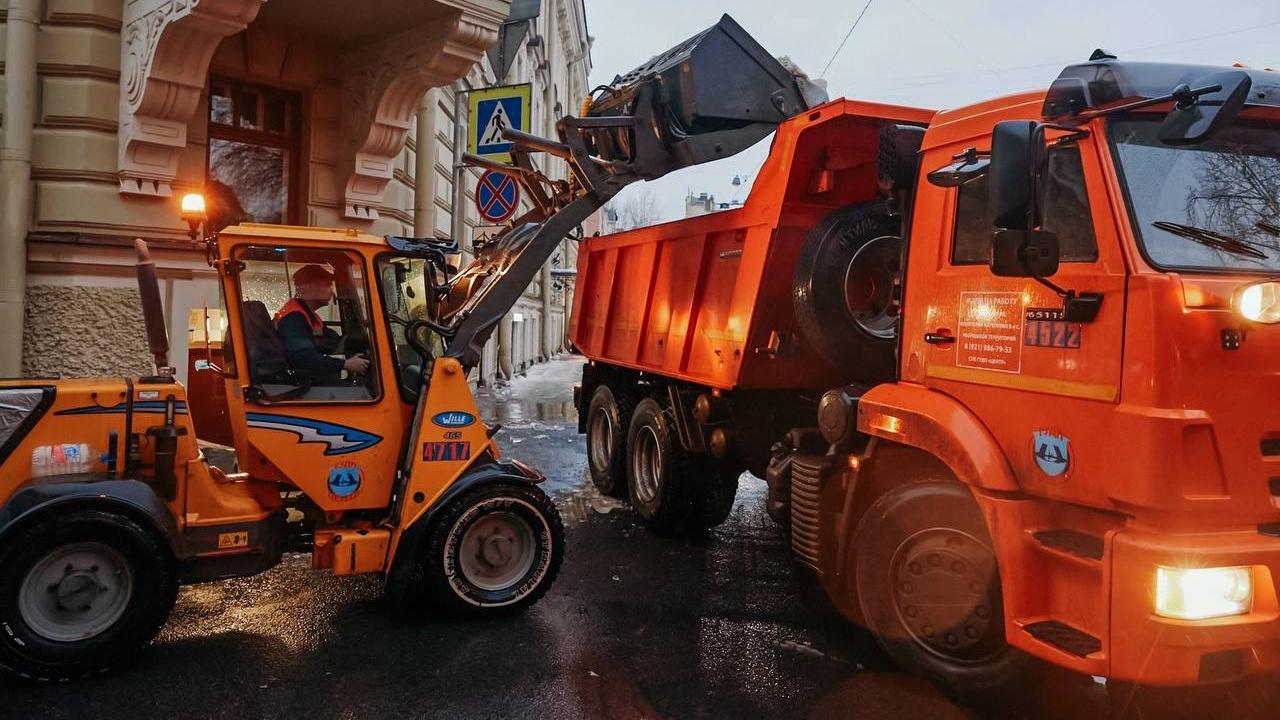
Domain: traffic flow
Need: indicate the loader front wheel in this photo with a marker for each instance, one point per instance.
(81, 592)
(494, 551)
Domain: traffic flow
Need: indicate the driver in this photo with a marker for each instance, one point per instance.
(306, 339)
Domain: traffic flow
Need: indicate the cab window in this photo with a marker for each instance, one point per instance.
(1066, 213)
(305, 319)
(405, 293)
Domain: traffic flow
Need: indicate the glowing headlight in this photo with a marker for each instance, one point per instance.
(1203, 593)
(1259, 302)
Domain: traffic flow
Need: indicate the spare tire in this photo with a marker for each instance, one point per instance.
(845, 290)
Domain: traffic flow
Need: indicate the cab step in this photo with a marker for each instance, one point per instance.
(1072, 542)
(1064, 637)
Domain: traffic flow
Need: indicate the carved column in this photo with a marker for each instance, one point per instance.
(166, 46)
(382, 86)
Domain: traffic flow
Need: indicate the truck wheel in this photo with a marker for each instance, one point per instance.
(717, 490)
(844, 288)
(929, 587)
(494, 551)
(659, 471)
(607, 418)
(80, 593)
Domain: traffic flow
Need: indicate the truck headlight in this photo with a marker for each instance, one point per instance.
(1203, 593)
(1259, 302)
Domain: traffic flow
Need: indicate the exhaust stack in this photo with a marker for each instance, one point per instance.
(152, 310)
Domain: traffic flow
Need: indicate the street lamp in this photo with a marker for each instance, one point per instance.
(194, 213)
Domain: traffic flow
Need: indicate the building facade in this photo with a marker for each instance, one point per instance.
(308, 112)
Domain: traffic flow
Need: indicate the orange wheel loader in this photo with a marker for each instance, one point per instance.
(356, 436)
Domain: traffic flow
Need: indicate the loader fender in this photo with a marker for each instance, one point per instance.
(940, 425)
(479, 475)
(134, 498)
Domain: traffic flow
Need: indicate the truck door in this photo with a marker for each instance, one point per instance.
(1044, 387)
(301, 413)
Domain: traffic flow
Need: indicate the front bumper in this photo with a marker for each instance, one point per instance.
(1155, 650)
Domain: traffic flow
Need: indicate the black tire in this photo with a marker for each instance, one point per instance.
(659, 471)
(927, 542)
(829, 285)
(448, 584)
(717, 488)
(607, 418)
(35, 633)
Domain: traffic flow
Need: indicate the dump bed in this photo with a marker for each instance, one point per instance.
(708, 299)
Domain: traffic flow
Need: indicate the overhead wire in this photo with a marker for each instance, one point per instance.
(847, 35)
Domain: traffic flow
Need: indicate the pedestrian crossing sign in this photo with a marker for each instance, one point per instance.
(492, 111)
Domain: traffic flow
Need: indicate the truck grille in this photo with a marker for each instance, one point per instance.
(806, 482)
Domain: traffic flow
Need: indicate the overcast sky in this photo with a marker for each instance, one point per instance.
(929, 53)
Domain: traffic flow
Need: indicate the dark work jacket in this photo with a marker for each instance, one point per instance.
(303, 344)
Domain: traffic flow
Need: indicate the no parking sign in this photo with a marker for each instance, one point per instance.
(497, 196)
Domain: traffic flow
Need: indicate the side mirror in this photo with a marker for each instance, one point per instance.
(1024, 253)
(1016, 149)
(1201, 112)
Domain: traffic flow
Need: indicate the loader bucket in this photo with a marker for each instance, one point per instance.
(712, 96)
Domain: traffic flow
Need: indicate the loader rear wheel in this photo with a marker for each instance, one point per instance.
(81, 592)
(495, 551)
(928, 585)
(660, 474)
(844, 294)
(607, 418)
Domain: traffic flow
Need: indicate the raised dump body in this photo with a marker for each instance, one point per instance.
(704, 299)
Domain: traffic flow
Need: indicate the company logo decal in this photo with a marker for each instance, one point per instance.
(337, 439)
(445, 451)
(150, 406)
(344, 481)
(1053, 452)
(453, 419)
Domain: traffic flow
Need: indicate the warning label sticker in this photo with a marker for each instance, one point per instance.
(990, 335)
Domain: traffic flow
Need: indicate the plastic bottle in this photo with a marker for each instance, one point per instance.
(61, 459)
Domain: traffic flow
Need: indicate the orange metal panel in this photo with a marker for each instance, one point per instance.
(700, 298)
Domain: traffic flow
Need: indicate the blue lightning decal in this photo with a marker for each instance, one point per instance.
(149, 406)
(337, 439)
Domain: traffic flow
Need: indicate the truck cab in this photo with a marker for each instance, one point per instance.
(1110, 410)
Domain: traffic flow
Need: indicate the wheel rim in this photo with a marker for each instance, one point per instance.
(76, 592)
(497, 550)
(943, 592)
(868, 286)
(646, 465)
(601, 439)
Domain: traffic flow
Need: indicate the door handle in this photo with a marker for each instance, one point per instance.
(942, 337)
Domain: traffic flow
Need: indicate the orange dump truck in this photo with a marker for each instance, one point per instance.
(1008, 370)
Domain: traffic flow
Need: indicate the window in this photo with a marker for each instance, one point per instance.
(1228, 184)
(1066, 213)
(405, 293)
(253, 154)
(305, 322)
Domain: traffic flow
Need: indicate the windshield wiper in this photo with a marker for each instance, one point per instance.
(1210, 238)
(1269, 228)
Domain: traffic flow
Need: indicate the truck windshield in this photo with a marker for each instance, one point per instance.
(1213, 206)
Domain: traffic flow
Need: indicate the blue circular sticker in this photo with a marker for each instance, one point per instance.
(344, 481)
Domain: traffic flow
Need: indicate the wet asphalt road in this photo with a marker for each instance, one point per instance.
(636, 626)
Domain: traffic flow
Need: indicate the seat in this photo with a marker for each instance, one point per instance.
(266, 349)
